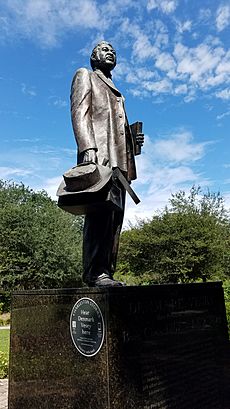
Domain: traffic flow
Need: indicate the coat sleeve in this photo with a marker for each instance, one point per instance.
(81, 110)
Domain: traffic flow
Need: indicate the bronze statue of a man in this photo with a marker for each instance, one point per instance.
(103, 136)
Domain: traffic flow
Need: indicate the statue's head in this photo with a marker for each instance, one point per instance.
(103, 57)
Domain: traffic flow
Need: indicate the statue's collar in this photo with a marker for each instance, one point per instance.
(108, 81)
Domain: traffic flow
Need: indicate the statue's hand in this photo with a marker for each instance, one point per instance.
(140, 139)
(90, 155)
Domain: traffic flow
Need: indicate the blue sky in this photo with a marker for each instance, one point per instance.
(173, 69)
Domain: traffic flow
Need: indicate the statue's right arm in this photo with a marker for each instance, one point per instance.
(81, 110)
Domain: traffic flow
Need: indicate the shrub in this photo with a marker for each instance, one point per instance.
(226, 286)
(4, 319)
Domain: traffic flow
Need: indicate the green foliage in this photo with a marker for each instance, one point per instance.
(227, 306)
(129, 279)
(4, 352)
(5, 300)
(40, 245)
(188, 241)
(226, 286)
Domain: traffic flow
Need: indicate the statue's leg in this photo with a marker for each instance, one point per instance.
(97, 243)
(100, 242)
(116, 230)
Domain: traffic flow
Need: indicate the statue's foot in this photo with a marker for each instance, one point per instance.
(104, 280)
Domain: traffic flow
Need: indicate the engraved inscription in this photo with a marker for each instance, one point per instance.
(176, 351)
(87, 327)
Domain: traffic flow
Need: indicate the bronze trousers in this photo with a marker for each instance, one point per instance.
(100, 242)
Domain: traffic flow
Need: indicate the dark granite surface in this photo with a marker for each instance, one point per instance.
(164, 347)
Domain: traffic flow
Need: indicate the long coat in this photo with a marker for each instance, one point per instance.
(99, 121)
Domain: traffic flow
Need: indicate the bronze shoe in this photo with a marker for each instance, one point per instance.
(104, 280)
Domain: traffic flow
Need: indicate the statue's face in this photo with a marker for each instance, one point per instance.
(106, 56)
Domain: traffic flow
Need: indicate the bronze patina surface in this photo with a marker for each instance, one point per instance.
(103, 136)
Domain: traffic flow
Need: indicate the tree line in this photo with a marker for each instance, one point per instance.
(40, 245)
(188, 241)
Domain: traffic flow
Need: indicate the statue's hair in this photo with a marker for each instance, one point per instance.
(93, 57)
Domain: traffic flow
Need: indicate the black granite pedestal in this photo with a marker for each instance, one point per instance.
(163, 346)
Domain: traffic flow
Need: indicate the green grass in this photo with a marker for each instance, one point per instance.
(4, 352)
(5, 341)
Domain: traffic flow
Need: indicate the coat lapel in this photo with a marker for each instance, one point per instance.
(107, 81)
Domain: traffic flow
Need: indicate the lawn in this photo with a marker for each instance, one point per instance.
(4, 351)
(5, 340)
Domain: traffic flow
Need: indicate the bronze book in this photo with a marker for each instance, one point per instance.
(136, 128)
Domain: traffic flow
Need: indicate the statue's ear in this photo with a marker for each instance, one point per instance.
(93, 59)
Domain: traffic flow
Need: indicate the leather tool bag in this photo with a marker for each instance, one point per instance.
(109, 197)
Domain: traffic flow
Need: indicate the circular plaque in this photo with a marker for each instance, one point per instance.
(87, 327)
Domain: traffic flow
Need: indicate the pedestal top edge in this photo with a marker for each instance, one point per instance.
(110, 290)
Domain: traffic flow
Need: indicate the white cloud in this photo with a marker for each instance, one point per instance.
(175, 150)
(50, 185)
(166, 6)
(8, 172)
(174, 68)
(200, 64)
(160, 35)
(187, 70)
(173, 176)
(221, 116)
(113, 8)
(30, 140)
(222, 17)
(146, 208)
(179, 148)
(28, 90)
(226, 197)
(139, 93)
(158, 87)
(224, 94)
(142, 47)
(145, 44)
(60, 103)
(181, 89)
(224, 65)
(57, 101)
(145, 74)
(190, 97)
(155, 193)
(204, 15)
(164, 167)
(185, 26)
(47, 20)
(132, 74)
(165, 62)
(197, 61)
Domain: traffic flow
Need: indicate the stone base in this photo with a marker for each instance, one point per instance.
(164, 347)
